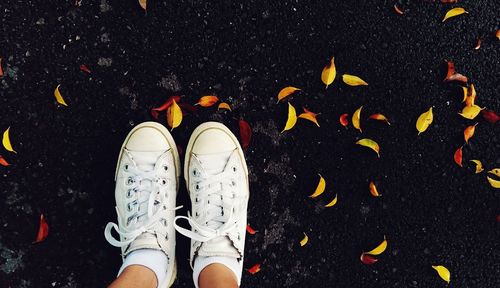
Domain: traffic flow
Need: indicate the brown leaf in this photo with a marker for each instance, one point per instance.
(490, 116)
(452, 75)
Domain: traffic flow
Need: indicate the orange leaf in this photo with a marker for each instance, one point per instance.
(43, 231)
(396, 8)
(452, 75)
(207, 101)
(470, 96)
(498, 34)
(373, 190)
(245, 133)
(254, 269)
(1, 70)
(3, 162)
(85, 69)
(250, 230)
(469, 132)
(343, 120)
(308, 115)
(287, 91)
(367, 259)
(379, 117)
(478, 44)
(224, 105)
(143, 4)
(458, 157)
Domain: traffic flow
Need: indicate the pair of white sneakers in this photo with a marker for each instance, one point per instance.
(147, 181)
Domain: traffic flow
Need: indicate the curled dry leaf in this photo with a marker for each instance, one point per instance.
(254, 269)
(6, 141)
(224, 105)
(164, 106)
(174, 115)
(374, 190)
(287, 91)
(495, 171)
(353, 80)
(490, 116)
(458, 157)
(443, 272)
(332, 203)
(379, 117)
(1, 69)
(452, 75)
(469, 95)
(424, 120)
(494, 183)
(469, 132)
(453, 13)
(497, 34)
(143, 4)
(478, 44)
(379, 249)
(370, 144)
(399, 11)
(3, 162)
(470, 112)
(320, 188)
(329, 72)
(367, 259)
(85, 69)
(292, 118)
(245, 133)
(250, 230)
(356, 118)
(343, 120)
(308, 115)
(59, 97)
(479, 166)
(43, 230)
(207, 101)
(304, 240)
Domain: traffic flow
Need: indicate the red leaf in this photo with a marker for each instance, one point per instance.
(245, 133)
(85, 69)
(3, 162)
(458, 157)
(155, 111)
(43, 231)
(254, 269)
(343, 120)
(250, 230)
(367, 259)
(498, 218)
(452, 75)
(1, 70)
(490, 116)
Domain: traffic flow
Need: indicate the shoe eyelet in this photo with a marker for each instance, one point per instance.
(196, 215)
(130, 206)
(165, 167)
(129, 181)
(197, 187)
(195, 172)
(166, 236)
(164, 222)
(196, 200)
(234, 169)
(129, 193)
(163, 182)
(125, 167)
(233, 183)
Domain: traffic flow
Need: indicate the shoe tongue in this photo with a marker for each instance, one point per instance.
(144, 241)
(146, 161)
(214, 164)
(221, 246)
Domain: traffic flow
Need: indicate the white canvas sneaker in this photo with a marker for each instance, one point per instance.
(146, 188)
(216, 176)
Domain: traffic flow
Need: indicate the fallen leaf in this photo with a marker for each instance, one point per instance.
(287, 91)
(373, 190)
(43, 230)
(479, 166)
(452, 75)
(174, 115)
(143, 4)
(254, 269)
(478, 44)
(343, 120)
(367, 259)
(495, 171)
(399, 11)
(207, 101)
(320, 188)
(308, 115)
(164, 106)
(494, 183)
(490, 116)
(470, 96)
(469, 132)
(379, 117)
(353, 80)
(3, 162)
(250, 230)
(329, 72)
(454, 12)
(379, 249)
(59, 97)
(424, 121)
(292, 118)
(497, 34)
(370, 144)
(224, 105)
(449, 1)
(332, 203)
(356, 118)
(245, 133)
(85, 69)
(6, 141)
(304, 240)
(443, 272)
(458, 157)
(498, 218)
(1, 69)
(470, 112)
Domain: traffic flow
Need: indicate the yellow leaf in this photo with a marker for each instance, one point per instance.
(454, 12)
(356, 119)
(495, 171)
(494, 183)
(479, 166)
(6, 141)
(443, 272)
(174, 115)
(308, 115)
(224, 105)
(379, 249)
(59, 97)
(370, 144)
(329, 72)
(287, 91)
(470, 112)
(424, 121)
(353, 80)
(292, 118)
(304, 240)
(320, 188)
(143, 4)
(332, 203)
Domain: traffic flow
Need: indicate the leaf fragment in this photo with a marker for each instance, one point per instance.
(495, 171)
(367, 259)
(308, 115)
(1, 69)
(379, 117)
(292, 118)
(43, 230)
(85, 69)
(254, 269)
(224, 105)
(443, 272)
(379, 249)
(470, 112)
(59, 97)
(469, 132)
(356, 119)
(453, 13)
(424, 120)
(207, 101)
(287, 91)
(374, 190)
(497, 34)
(3, 162)
(458, 157)
(143, 4)
(6, 141)
(370, 144)
(250, 230)
(329, 72)
(304, 240)
(245, 133)
(332, 203)
(470, 96)
(320, 188)
(490, 116)
(343, 120)
(478, 44)
(396, 8)
(174, 115)
(353, 80)
(494, 183)
(452, 75)
(479, 166)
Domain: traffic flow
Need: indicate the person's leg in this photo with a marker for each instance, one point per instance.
(134, 276)
(217, 276)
